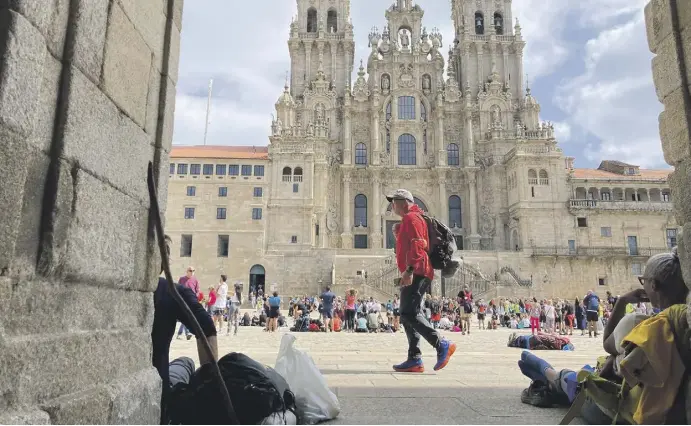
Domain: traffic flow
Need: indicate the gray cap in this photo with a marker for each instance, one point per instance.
(401, 194)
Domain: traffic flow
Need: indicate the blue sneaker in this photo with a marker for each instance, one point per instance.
(446, 349)
(410, 366)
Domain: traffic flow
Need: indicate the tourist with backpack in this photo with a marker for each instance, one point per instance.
(592, 309)
(417, 272)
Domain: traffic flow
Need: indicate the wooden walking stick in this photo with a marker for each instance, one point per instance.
(165, 263)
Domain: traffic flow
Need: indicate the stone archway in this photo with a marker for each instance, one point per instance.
(257, 278)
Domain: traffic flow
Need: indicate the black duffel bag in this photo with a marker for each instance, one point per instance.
(256, 390)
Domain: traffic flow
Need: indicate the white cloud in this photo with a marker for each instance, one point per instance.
(562, 130)
(614, 98)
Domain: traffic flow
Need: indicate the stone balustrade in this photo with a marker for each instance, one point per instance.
(650, 206)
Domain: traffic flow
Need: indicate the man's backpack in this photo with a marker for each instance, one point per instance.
(257, 392)
(442, 245)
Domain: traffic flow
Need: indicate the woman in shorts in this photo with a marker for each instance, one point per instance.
(274, 311)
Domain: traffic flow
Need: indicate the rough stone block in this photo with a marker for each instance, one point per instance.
(104, 141)
(666, 69)
(89, 27)
(681, 191)
(168, 116)
(126, 82)
(57, 27)
(14, 166)
(91, 406)
(149, 20)
(21, 71)
(152, 102)
(174, 58)
(674, 131)
(116, 258)
(36, 11)
(684, 250)
(49, 366)
(658, 22)
(28, 416)
(177, 12)
(42, 136)
(137, 399)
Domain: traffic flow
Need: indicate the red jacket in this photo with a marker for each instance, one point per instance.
(412, 243)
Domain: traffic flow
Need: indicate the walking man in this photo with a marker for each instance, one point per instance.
(592, 306)
(328, 298)
(191, 282)
(416, 277)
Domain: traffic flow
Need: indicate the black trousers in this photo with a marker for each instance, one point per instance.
(413, 319)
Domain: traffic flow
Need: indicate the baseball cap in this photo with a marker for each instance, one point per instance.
(400, 194)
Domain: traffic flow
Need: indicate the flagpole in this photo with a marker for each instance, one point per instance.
(208, 109)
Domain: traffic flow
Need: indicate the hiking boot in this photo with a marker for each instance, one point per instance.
(444, 353)
(538, 395)
(410, 366)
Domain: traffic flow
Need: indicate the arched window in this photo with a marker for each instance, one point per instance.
(452, 155)
(544, 178)
(423, 111)
(498, 23)
(360, 154)
(479, 23)
(332, 21)
(360, 210)
(388, 111)
(287, 174)
(455, 217)
(406, 150)
(311, 20)
(297, 174)
(532, 177)
(406, 108)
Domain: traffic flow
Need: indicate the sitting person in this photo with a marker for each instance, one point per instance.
(644, 355)
(336, 324)
(445, 323)
(361, 326)
(514, 323)
(456, 327)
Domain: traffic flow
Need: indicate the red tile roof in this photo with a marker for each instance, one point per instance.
(644, 174)
(221, 152)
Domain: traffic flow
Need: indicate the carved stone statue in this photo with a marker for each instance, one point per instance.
(310, 129)
(385, 82)
(496, 115)
(426, 82)
(405, 39)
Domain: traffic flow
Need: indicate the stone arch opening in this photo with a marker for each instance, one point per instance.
(257, 279)
(311, 20)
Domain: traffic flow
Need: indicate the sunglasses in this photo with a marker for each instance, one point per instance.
(642, 280)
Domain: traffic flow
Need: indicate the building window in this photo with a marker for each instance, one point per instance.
(182, 169)
(195, 169)
(498, 24)
(606, 196)
(297, 174)
(221, 169)
(296, 187)
(294, 239)
(665, 196)
(332, 21)
(452, 155)
(172, 169)
(316, 230)
(223, 191)
(360, 154)
(544, 177)
(406, 108)
(532, 177)
(602, 281)
(636, 269)
(532, 191)
(186, 246)
(388, 111)
(287, 174)
(223, 245)
(406, 150)
(455, 217)
(479, 23)
(632, 241)
(606, 231)
(259, 170)
(189, 212)
(208, 169)
(256, 213)
(360, 241)
(572, 246)
(360, 210)
(671, 238)
(311, 20)
(246, 170)
(258, 191)
(221, 213)
(632, 171)
(233, 170)
(582, 222)
(191, 191)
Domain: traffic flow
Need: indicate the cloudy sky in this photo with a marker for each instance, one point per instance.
(588, 63)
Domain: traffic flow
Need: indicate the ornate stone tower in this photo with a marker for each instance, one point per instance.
(321, 36)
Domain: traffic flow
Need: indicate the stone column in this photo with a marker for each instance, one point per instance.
(375, 226)
(347, 136)
(308, 62)
(480, 59)
(470, 155)
(472, 204)
(107, 74)
(441, 158)
(443, 213)
(347, 235)
(374, 131)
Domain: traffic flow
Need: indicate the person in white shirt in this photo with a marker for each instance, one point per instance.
(219, 307)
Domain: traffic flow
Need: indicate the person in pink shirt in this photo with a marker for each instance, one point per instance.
(190, 281)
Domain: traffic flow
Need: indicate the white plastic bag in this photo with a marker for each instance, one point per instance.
(600, 327)
(314, 400)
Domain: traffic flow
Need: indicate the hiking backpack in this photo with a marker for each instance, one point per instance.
(442, 245)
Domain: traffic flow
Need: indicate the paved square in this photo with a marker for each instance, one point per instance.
(481, 384)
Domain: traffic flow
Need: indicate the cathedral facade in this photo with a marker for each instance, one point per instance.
(468, 143)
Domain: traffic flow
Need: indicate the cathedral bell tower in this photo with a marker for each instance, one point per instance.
(321, 38)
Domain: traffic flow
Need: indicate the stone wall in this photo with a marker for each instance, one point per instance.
(668, 24)
(87, 94)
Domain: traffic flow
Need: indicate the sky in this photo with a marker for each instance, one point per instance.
(587, 60)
